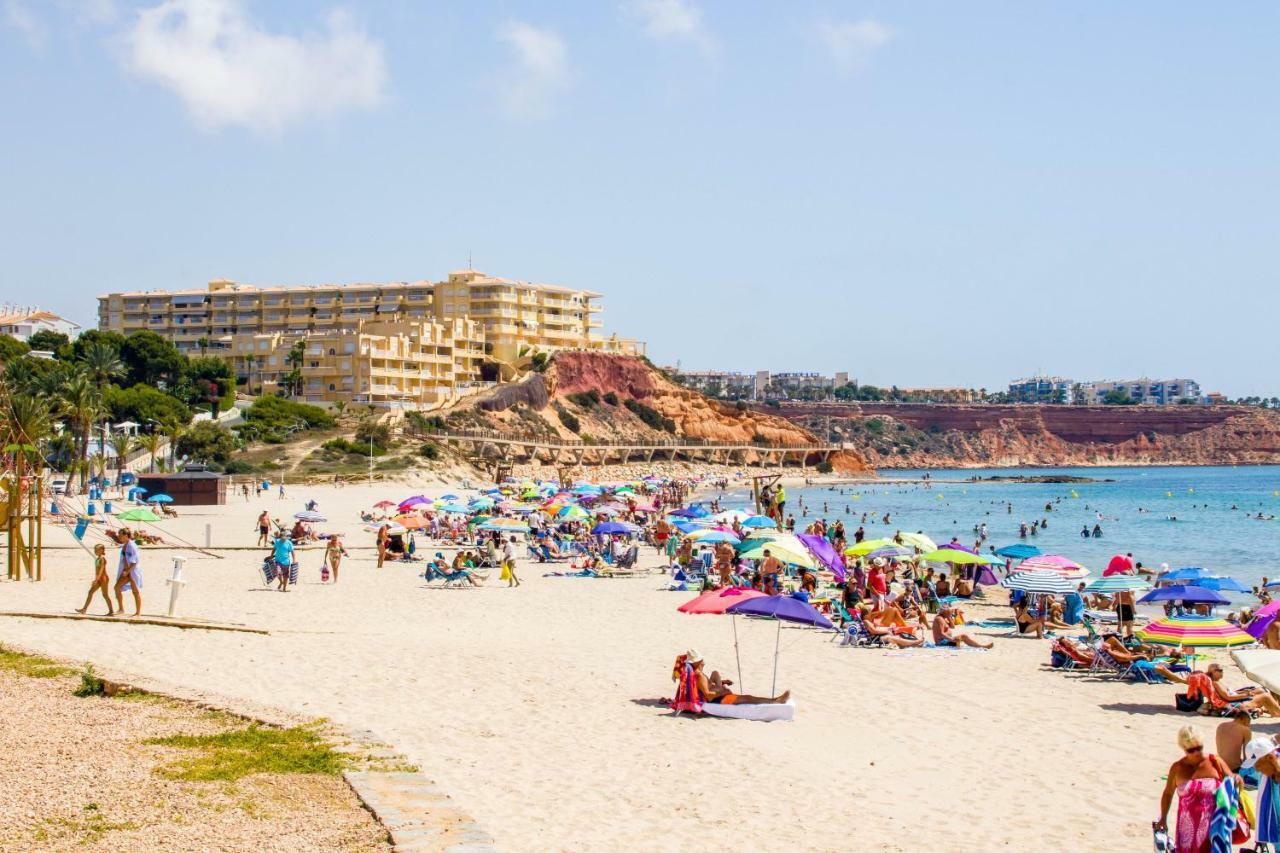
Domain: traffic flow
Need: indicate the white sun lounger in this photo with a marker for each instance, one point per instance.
(763, 713)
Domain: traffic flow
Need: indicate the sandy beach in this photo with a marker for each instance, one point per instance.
(537, 708)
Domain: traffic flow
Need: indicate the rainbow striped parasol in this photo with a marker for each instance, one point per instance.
(1200, 631)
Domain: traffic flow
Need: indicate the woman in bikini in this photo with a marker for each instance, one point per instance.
(333, 554)
(1195, 778)
(101, 580)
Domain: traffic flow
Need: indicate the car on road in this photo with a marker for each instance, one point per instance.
(58, 487)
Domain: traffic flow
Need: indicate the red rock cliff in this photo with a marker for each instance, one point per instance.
(911, 435)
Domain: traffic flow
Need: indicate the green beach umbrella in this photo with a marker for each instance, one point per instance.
(138, 514)
(951, 555)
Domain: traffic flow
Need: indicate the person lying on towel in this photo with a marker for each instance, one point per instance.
(716, 689)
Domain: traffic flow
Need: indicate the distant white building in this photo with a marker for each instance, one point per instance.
(1153, 392)
(1043, 389)
(22, 323)
(761, 384)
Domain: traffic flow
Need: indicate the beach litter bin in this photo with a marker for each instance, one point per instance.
(91, 509)
(106, 507)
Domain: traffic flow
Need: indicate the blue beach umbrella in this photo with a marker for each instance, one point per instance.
(160, 499)
(1223, 584)
(1187, 574)
(1019, 551)
(759, 521)
(1179, 592)
(609, 528)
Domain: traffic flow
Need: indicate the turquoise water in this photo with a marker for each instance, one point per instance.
(1207, 532)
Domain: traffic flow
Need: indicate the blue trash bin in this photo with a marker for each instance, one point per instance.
(106, 507)
(92, 509)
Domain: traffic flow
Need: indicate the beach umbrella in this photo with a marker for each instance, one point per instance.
(783, 608)
(138, 514)
(1220, 584)
(691, 512)
(951, 555)
(481, 503)
(713, 536)
(718, 601)
(784, 551)
(917, 540)
(1262, 619)
(607, 528)
(686, 527)
(456, 509)
(573, 513)
(729, 516)
(1053, 563)
(890, 552)
(1039, 582)
(411, 502)
(866, 546)
(1117, 583)
(1188, 574)
(448, 497)
(1120, 564)
(1019, 551)
(385, 504)
(1181, 592)
(761, 521)
(1261, 665)
(411, 522)
(160, 499)
(506, 525)
(1196, 631)
(309, 515)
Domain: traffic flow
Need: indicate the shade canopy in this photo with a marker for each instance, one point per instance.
(1193, 631)
(1039, 582)
(1219, 584)
(719, 600)
(1261, 665)
(1020, 551)
(1053, 563)
(1262, 620)
(781, 607)
(1118, 583)
(1181, 592)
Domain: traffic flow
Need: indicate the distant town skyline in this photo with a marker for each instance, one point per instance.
(929, 195)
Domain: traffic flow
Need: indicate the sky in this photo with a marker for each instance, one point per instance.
(919, 193)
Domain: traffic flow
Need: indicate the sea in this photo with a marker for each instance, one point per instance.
(1183, 516)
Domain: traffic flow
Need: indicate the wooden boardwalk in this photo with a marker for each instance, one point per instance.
(494, 446)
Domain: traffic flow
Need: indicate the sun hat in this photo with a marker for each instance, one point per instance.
(692, 657)
(878, 561)
(1257, 749)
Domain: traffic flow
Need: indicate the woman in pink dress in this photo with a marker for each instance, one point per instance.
(1195, 778)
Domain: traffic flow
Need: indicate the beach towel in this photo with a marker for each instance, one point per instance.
(1227, 826)
(687, 698)
(1268, 813)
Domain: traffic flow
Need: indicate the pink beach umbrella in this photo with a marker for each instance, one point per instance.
(1053, 563)
(717, 601)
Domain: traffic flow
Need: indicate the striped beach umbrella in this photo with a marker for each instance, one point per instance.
(1203, 631)
(1117, 583)
(1043, 583)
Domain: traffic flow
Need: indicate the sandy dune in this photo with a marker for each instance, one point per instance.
(536, 707)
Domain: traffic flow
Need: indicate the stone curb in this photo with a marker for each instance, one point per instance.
(418, 815)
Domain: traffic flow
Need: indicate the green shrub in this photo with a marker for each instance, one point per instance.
(90, 684)
(540, 361)
(237, 466)
(372, 431)
(651, 417)
(570, 420)
(429, 451)
(824, 467)
(208, 442)
(875, 426)
(585, 399)
(272, 419)
(611, 398)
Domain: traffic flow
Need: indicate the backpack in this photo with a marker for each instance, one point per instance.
(1183, 702)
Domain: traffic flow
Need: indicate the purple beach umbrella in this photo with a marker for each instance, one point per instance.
(783, 608)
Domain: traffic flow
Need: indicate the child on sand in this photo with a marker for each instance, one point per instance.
(101, 581)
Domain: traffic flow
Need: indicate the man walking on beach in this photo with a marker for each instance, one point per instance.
(128, 573)
(282, 553)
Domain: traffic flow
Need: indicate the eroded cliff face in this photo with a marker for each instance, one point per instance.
(572, 375)
(914, 435)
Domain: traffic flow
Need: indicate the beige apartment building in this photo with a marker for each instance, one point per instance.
(396, 345)
(393, 364)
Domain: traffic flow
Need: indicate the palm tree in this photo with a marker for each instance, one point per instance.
(151, 443)
(102, 363)
(121, 444)
(81, 403)
(174, 431)
(98, 465)
(27, 423)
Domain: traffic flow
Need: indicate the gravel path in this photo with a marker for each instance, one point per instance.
(78, 775)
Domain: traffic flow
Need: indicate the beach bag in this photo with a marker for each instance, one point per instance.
(324, 573)
(1184, 703)
(1057, 659)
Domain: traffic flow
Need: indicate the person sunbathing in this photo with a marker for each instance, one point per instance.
(891, 626)
(964, 588)
(1219, 701)
(944, 635)
(715, 689)
(1026, 621)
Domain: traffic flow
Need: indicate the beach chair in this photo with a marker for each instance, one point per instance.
(628, 560)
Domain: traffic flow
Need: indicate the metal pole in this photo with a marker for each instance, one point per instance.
(736, 655)
(777, 640)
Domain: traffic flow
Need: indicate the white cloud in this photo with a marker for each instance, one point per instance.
(22, 19)
(851, 43)
(672, 20)
(91, 12)
(540, 70)
(228, 70)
